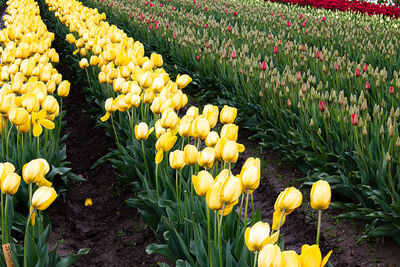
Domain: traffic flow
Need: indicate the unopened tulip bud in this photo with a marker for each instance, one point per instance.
(228, 115)
(270, 255)
(177, 159)
(191, 154)
(212, 139)
(320, 196)
(43, 197)
(312, 254)
(183, 81)
(289, 200)
(142, 131)
(63, 88)
(207, 157)
(202, 182)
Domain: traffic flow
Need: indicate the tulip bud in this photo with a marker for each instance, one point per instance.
(191, 154)
(290, 259)
(354, 119)
(142, 131)
(207, 157)
(10, 184)
(18, 116)
(63, 88)
(200, 128)
(250, 178)
(5, 169)
(211, 139)
(164, 144)
(213, 197)
(43, 197)
(35, 170)
(257, 236)
(289, 200)
(177, 159)
(230, 151)
(228, 115)
(202, 182)
(320, 196)
(169, 119)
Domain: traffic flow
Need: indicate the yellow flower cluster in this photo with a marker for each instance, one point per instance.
(27, 76)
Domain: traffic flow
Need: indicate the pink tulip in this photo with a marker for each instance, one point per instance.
(301, 16)
(229, 28)
(275, 50)
(207, 44)
(354, 119)
(289, 24)
(198, 58)
(205, 26)
(235, 13)
(160, 5)
(323, 19)
(167, 24)
(150, 27)
(336, 67)
(358, 72)
(391, 90)
(367, 86)
(233, 54)
(366, 68)
(226, 11)
(322, 106)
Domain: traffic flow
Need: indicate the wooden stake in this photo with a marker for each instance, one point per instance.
(7, 255)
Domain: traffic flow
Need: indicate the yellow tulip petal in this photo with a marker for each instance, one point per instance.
(271, 240)
(44, 182)
(325, 260)
(105, 117)
(159, 156)
(37, 130)
(241, 147)
(33, 215)
(149, 132)
(88, 202)
(48, 124)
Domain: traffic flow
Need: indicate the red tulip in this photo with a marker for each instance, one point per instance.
(226, 11)
(226, 4)
(160, 5)
(275, 50)
(263, 66)
(336, 67)
(323, 19)
(130, 16)
(198, 58)
(233, 54)
(194, 1)
(289, 24)
(147, 3)
(205, 26)
(298, 76)
(167, 24)
(317, 54)
(156, 27)
(354, 119)
(306, 31)
(322, 106)
(358, 72)
(304, 24)
(229, 28)
(173, 36)
(301, 15)
(205, 9)
(366, 68)
(150, 27)
(199, 5)
(367, 86)
(235, 13)
(303, 48)
(391, 90)
(207, 44)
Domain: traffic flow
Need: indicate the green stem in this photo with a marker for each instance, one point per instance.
(60, 118)
(5, 220)
(115, 132)
(145, 160)
(279, 226)
(219, 236)
(319, 226)
(191, 191)
(245, 208)
(38, 147)
(215, 226)
(177, 195)
(252, 206)
(158, 196)
(87, 75)
(255, 258)
(239, 218)
(2, 219)
(208, 233)
(7, 141)
(26, 233)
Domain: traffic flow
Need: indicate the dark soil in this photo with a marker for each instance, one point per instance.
(113, 231)
(300, 226)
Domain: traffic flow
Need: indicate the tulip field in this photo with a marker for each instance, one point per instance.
(186, 107)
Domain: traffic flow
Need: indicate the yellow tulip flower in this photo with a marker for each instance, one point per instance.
(290, 259)
(164, 144)
(183, 81)
(5, 169)
(202, 182)
(63, 88)
(10, 184)
(227, 115)
(142, 131)
(211, 139)
(320, 196)
(230, 132)
(231, 189)
(185, 126)
(207, 157)
(177, 159)
(43, 197)
(18, 116)
(257, 236)
(311, 256)
(169, 119)
(270, 256)
(276, 218)
(39, 120)
(250, 178)
(200, 128)
(289, 200)
(191, 154)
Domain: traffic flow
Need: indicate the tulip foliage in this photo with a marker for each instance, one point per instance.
(181, 165)
(320, 87)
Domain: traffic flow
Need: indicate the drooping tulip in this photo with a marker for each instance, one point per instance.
(320, 196)
(43, 197)
(289, 200)
(39, 120)
(164, 144)
(257, 236)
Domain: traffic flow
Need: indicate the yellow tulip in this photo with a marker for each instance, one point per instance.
(164, 144)
(183, 81)
(39, 120)
(83, 63)
(10, 184)
(320, 196)
(211, 139)
(202, 182)
(276, 218)
(192, 111)
(63, 88)
(231, 190)
(158, 84)
(213, 197)
(43, 197)
(18, 116)
(250, 162)
(148, 96)
(270, 256)
(290, 259)
(230, 132)
(191, 154)
(227, 115)
(34, 171)
(30, 103)
(146, 79)
(50, 104)
(51, 86)
(185, 126)
(5, 169)
(177, 159)
(200, 128)
(250, 178)
(156, 59)
(211, 113)
(102, 77)
(142, 131)
(207, 157)
(257, 236)
(230, 152)
(289, 200)
(159, 129)
(311, 256)
(157, 103)
(169, 119)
